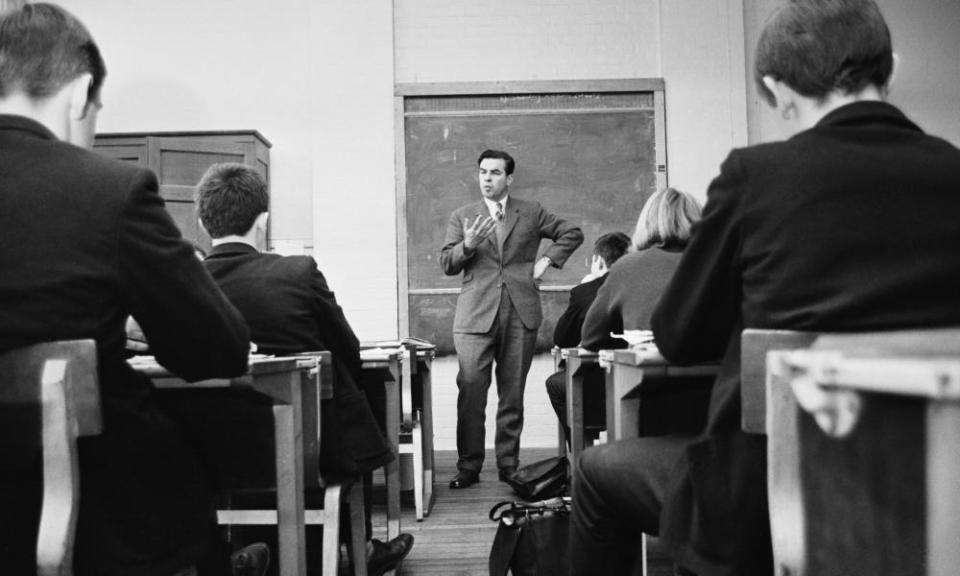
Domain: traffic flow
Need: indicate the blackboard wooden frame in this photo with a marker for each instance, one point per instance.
(404, 91)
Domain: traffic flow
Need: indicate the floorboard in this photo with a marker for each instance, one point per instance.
(455, 539)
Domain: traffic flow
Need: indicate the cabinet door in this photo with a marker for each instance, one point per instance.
(125, 152)
(179, 163)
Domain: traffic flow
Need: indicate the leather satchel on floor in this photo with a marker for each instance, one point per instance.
(543, 479)
(531, 538)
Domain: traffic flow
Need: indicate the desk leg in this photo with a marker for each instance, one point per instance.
(426, 383)
(623, 413)
(392, 471)
(290, 518)
(574, 382)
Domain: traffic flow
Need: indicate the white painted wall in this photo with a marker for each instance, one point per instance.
(352, 122)
(214, 65)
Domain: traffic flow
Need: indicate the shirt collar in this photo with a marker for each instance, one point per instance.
(492, 206)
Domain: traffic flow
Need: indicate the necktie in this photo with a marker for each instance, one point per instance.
(499, 228)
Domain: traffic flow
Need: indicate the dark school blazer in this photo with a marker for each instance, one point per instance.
(86, 242)
(290, 308)
(849, 226)
(567, 332)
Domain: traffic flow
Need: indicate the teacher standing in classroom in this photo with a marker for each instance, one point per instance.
(494, 243)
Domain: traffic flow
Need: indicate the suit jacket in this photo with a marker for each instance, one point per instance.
(87, 242)
(290, 308)
(567, 332)
(487, 270)
(849, 226)
(627, 298)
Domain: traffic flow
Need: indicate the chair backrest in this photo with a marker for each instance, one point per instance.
(754, 346)
(880, 497)
(50, 393)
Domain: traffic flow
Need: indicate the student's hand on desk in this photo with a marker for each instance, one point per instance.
(475, 232)
(835, 411)
(136, 341)
(541, 267)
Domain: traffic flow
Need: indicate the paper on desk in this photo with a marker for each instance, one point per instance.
(635, 337)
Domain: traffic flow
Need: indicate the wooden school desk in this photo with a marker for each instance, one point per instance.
(280, 380)
(407, 368)
(577, 362)
(387, 363)
(627, 370)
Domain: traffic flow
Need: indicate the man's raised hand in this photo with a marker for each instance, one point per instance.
(475, 232)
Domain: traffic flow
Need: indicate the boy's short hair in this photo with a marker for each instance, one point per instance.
(229, 198)
(611, 247)
(818, 46)
(42, 48)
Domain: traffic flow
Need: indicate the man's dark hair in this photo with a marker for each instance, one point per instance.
(42, 48)
(818, 46)
(611, 247)
(229, 198)
(500, 155)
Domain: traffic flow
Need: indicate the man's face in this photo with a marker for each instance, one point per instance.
(494, 181)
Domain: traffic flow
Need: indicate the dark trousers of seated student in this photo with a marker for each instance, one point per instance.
(674, 406)
(594, 398)
(234, 432)
(618, 489)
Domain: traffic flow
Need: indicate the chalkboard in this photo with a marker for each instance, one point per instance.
(591, 158)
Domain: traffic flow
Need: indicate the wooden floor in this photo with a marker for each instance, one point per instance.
(455, 539)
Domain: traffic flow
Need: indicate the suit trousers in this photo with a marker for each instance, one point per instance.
(618, 491)
(510, 344)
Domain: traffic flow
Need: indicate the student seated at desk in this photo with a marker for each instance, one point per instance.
(606, 251)
(627, 299)
(289, 308)
(87, 243)
(849, 225)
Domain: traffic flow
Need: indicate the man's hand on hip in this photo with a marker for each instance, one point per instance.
(541, 267)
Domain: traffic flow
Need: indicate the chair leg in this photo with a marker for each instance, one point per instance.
(417, 434)
(331, 529)
(358, 536)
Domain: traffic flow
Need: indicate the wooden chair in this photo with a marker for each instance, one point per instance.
(880, 493)
(60, 377)
(316, 387)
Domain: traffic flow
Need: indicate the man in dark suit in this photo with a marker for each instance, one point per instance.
(290, 309)
(849, 225)
(606, 250)
(87, 243)
(494, 243)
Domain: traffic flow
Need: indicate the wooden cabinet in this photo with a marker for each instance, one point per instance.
(179, 160)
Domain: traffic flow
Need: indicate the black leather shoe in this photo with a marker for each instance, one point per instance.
(464, 478)
(507, 472)
(387, 555)
(252, 560)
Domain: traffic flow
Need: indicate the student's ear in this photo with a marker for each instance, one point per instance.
(80, 102)
(202, 227)
(784, 96)
(893, 75)
(260, 228)
(509, 180)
